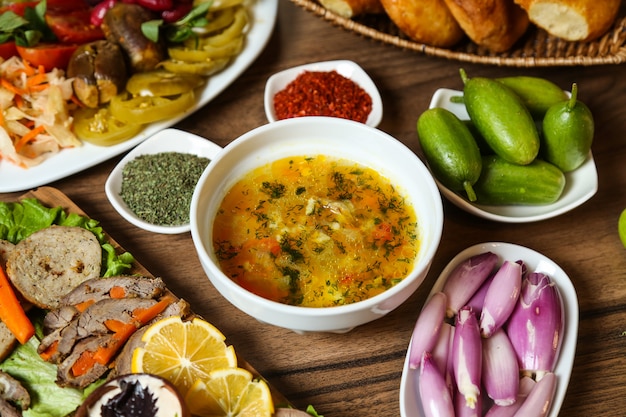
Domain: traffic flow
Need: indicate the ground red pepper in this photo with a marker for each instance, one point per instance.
(321, 93)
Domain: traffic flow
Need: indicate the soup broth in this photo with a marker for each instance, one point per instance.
(315, 232)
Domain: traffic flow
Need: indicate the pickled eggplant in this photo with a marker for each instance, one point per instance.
(99, 71)
(122, 25)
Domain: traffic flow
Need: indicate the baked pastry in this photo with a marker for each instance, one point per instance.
(572, 20)
(351, 8)
(494, 24)
(425, 21)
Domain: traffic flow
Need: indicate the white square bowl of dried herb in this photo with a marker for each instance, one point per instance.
(152, 186)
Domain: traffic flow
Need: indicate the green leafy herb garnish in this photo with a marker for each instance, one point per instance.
(28, 30)
(182, 29)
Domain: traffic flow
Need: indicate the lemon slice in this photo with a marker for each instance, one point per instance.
(230, 393)
(182, 351)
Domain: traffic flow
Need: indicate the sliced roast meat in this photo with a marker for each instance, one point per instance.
(7, 410)
(91, 322)
(65, 374)
(179, 308)
(123, 361)
(12, 390)
(59, 318)
(100, 288)
(49, 263)
(94, 319)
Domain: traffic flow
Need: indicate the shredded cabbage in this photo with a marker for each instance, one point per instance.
(36, 103)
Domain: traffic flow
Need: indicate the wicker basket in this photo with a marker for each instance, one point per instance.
(535, 49)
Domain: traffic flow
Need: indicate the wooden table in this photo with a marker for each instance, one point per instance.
(358, 373)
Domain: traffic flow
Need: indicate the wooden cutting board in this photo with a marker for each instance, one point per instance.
(52, 197)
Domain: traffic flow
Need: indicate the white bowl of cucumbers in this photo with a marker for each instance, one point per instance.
(579, 184)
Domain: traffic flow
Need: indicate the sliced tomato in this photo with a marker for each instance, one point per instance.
(66, 5)
(7, 50)
(73, 26)
(49, 55)
(18, 8)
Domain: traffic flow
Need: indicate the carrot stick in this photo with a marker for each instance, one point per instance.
(19, 101)
(28, 137)
(115, 325)
(144, 315)
(50, 350)
(12, 313)
(83, 364)
(83, 306)
(38, 87)
(11, 87)
(28, 68)
(36, 80)
(117, 292)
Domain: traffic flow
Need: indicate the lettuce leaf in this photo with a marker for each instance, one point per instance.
(47, 398)
(18, 220)
(312, 411)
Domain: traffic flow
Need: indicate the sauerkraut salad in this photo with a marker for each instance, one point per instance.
(35, 121)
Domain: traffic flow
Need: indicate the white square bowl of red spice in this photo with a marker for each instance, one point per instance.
(332, 88)
(152, 186)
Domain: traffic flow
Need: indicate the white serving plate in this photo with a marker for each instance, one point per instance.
(410, 404)
(581, 184)
(71, 161)
(348, 69)
(167, 140)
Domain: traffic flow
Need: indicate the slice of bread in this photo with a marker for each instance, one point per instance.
(53, 261)
(572, 20)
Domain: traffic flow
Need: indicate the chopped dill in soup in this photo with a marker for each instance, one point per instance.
(315, 232)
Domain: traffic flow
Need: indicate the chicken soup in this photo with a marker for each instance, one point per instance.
(314, 231)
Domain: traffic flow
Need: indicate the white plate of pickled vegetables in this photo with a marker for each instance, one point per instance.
(72, 160)
(580, 184)
(476, 327)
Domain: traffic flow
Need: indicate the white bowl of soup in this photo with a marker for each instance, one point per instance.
(316, 224)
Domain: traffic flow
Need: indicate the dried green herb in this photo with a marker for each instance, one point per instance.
(158, 187)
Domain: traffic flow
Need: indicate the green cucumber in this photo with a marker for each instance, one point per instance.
(478, 137)
(450, 150)
(502, 183)
(538, 94)
(568, 130)
(502, 119)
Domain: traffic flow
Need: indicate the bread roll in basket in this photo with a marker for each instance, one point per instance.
(494, 24)
(572, 20)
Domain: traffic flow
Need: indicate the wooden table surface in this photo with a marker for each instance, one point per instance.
(358, 373)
